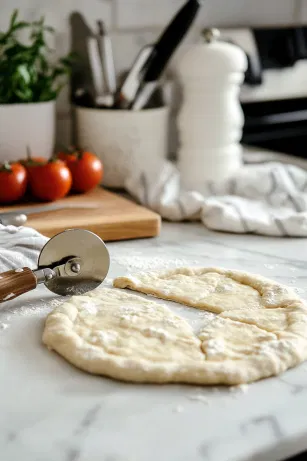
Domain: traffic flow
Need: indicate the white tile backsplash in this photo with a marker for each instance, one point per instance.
(302, 12)
(247, 12)
(133, 23)
(149, 13)
(57, 14)
(126, 46)
(63, 128)
(145, 13)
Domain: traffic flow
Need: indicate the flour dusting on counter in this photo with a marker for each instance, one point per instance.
(179, 409)
(299, 291)
(143, 263)
(239, 388)
(199, 398)
(270, 266)
(40, 308)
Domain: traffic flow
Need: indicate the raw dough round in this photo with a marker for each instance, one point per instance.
(260, 329)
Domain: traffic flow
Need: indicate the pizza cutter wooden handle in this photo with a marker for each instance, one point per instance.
(16, 282)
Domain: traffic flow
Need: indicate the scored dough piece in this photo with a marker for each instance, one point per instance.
(254, 350)
(121, 335)
(124, 336)
(291, 319)
(213, 289)
(227, 339)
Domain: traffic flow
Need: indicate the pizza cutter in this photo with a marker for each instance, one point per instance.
(72, 262)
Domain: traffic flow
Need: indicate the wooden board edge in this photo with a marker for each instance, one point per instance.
(111, 233)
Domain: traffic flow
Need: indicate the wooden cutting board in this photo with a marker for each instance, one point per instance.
(115, 217)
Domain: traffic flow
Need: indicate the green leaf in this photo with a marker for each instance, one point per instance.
(13, 18)
(24, 73)
(21, 25)
(25, 95)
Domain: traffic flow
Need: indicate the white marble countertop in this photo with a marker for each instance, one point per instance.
(51, 411)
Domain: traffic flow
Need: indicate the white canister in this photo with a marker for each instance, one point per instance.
(124, 140)
(211, 119)
(26, 125)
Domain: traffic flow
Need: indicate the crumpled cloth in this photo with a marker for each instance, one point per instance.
(267, 199)
(19, 247)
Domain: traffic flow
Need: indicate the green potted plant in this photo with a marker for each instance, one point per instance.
(30, 80)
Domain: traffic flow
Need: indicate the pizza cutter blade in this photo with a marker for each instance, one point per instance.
(73, 262)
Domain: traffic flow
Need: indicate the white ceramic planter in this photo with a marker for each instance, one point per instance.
(123, 139)
(28, 124)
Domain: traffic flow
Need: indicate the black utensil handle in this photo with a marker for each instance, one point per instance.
(170, 39)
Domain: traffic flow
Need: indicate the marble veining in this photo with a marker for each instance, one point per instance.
(73, 454)
(52, 411)
(294, 387)
(268, 420)
(88, 419)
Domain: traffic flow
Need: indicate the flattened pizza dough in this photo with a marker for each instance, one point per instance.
(212, 289)
(260, 329)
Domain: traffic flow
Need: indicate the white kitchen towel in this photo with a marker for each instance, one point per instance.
(267, 199)
(19, 247)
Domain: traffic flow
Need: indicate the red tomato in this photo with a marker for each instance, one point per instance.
(50, 180)
(13, 182)
(86, 169)
(33, 161)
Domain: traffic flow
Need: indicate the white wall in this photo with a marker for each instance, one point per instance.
(135, 22)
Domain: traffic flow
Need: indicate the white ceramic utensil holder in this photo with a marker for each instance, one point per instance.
(27, 124)
(123, 139)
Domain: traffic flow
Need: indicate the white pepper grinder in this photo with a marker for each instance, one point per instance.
(211, 119)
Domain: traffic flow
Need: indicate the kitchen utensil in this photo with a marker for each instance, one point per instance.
(101, 99)
(18, 216)
(107, 59)
(14, 220)
(114, 217)
(164, 49)
(83, 97)
(210, 120)
(72, 262)
(131, 85)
